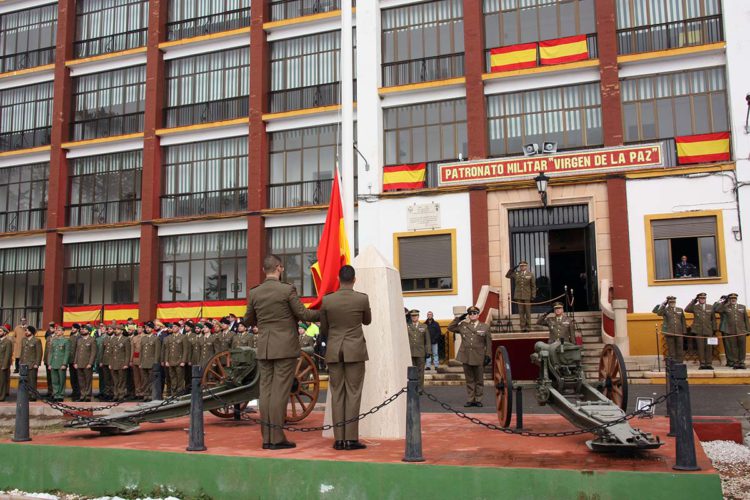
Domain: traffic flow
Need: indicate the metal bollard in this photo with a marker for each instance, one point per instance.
(237, 412)
(684, 441)
(413, 451)
(519, 408)
(21, 433)
(669, 365)
(195, 442)
(156, 385)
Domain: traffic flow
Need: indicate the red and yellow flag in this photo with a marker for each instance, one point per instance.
(120, 312)
(333, 248)
(513, 57)
(703, 148)
(221, 308)
(173, 311)
(404, 176)
(81, 314)
(563, 50)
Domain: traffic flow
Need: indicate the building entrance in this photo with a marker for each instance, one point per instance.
(560, 246)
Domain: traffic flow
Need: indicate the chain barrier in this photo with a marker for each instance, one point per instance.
(720, 336)
(538, 303)
(591, 430)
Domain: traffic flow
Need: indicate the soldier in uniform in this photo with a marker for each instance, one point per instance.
(135, 360)
(74, 336)
(206, 346)
(58, 354)
(734, 325)
(419, 343)
(175, 353)
(275, 309)
(102, 362)
(524, 291)
(704, 325)
(119, 362)
(560, 326)
(342, 315)
(83, 362)
(673, 324)
(474, 353)
(244, 337)
(6, 361)
(224, 336)
(188, 331)
(150, 355)
(31, 356)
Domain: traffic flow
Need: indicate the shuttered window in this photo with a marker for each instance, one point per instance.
(692, 237)
(426, 262)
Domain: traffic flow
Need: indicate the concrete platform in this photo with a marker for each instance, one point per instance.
(462, 461)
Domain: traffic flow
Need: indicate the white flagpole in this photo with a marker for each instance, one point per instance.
(347, 122)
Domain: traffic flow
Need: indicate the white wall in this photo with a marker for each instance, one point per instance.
(681, 195)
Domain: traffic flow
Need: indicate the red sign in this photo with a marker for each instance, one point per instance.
(488, 171)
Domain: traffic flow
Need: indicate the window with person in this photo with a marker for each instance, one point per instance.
(21, 284)
(28, 37)
(190, 18)
(104, 26)
(685, 247)
(101, 272)
(23, 197)
(426, 261)
(25, 116)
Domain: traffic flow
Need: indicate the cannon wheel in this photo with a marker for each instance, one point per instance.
(503, 386)
(305, 389)
(215, 374)
(613, 376)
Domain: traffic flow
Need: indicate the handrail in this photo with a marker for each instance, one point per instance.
(608, 313)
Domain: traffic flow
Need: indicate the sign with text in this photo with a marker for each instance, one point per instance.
(578, 162)
(424, 216)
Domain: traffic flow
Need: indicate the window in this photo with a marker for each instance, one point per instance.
(23, 197)
(205, 178)
(674, 104)
(208, 87)
(105, 189)
(27, 38)
(21, 284)
(570, 116)
(667, 24)
(423, 42)
(297, 246)
(95, 272)
(210, 266)
(25, 116)
(202, 17)
(697, 237)
(426, 261)
(109, 103)
(288, 9)
(104, 26)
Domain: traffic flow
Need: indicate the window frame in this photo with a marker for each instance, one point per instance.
(201, 23)
(5, 199)
(721, 260)
(133, 36)
(454, 267)
(298, 252)
(30, 290)
(44, 53)
(32, 112)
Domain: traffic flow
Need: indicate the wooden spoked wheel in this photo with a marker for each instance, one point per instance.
(613, 376)
(305, 389)
(503, 386)
(214, 374)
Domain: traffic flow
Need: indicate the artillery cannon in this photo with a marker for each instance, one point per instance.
(562, 385)
(229, 378)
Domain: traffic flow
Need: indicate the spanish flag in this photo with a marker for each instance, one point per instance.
(513, 57)
(404, 176)
(222, 308)
(703, 148)
(173, 311)
(81, 314)
(120, 312)
(333, 248)
(563, 50)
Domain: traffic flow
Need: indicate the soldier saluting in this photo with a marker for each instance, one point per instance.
(734, 326)
(524, 291)
(419, 343)
(474, 353)
(704, 325)
(672, 327)
(561, 327)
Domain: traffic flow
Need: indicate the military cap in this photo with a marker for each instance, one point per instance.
(90, 328)
(472, 310)
(414, 312)
(523, 262)
(31, 329)
(732, 296)
(190, 324)
(557, 304)
(150, 324)
(671, 297)
(701, 295)
(225, 321)
(199, 326)
(76, 326)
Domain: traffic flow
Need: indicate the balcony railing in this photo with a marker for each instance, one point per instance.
(206, 112)
(299, 194)
(305, 97)
(697, 31)
(288, 9)
(591, 43)
(206, 25)
(23, 220)
(425, 69)
(212, 202)
(29, 59)
(105, 213)
(110, 43)
(107, 126)
(25, 139)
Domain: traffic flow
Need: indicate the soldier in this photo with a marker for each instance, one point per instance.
(102, 362)
(704, 325)
(18, 335)
(561, 327)
(244, 337)
(524, 291)
(119, 361)
(275, 309)
(734, 328)
(58, 354)
(194, 341)
(206, 346)
(342, 315)
(6, 360)
(175, 353)
(474, 353)
(83, 362)
(31, 356)
(74, 336)
(419, 343)
(150, 355)
(188, 331)
(224, 336)
(673, 325)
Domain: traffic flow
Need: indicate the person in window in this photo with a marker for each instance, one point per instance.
(685, 269)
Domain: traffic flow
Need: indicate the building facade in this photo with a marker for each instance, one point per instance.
(151, 152)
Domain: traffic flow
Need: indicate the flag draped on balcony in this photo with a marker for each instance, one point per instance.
(81, 314)
(703, 148)
(513, 57)
(563, 50)
(404, 176)
(333, 248)
(120, 312)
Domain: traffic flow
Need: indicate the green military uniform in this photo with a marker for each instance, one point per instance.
(58, 355)
(419, 345)
(474, 353)
(524, 291)
(194, 341)
(704, 325)
(102, 362)
(31, 356)
(244, 339)
(673, 324)
(175, 352)
(6, 360)
(84, 363)
(223, 340)
(560, 327)
(120, 351)
(734, 325)
(342, 315)
(150, 355)
(206, 348)
(275, 308)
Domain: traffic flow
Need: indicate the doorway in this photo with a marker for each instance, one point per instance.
(567, 264)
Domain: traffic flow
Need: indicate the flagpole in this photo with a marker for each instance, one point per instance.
(346, 162)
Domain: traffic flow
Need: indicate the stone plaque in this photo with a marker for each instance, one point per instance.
(424, 216)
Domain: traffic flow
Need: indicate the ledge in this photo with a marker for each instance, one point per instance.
(283, 23)
(204, 38)
(27, 71)
(17, 152)
(300, 112)
(451, 82)
(697, 49)
(541, 69)
(104, 57)
(202, 126)
(101, 140)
